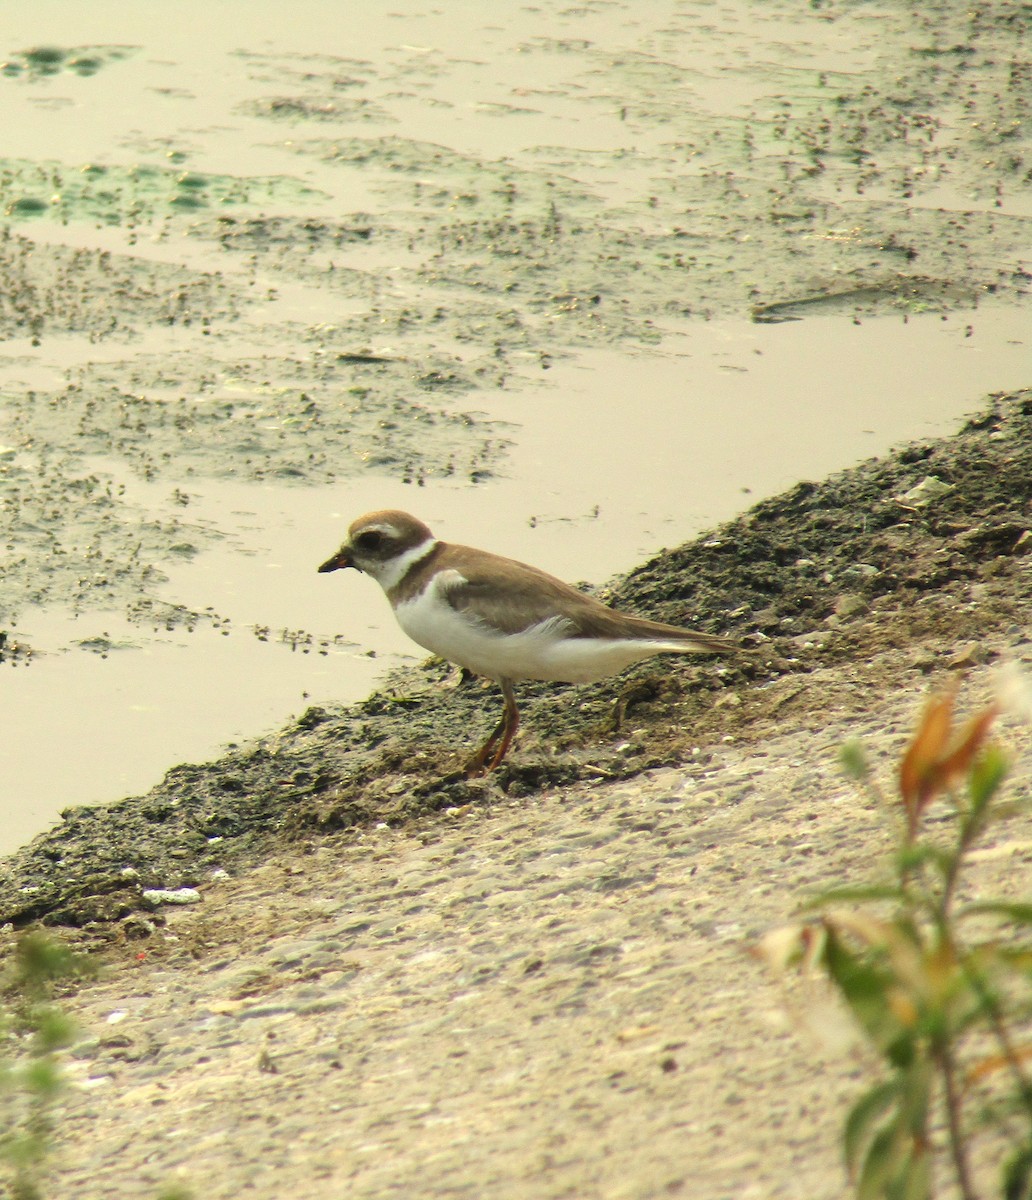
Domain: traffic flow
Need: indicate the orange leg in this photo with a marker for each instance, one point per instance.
(487, 757)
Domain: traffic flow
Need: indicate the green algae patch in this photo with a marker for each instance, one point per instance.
(26, 206)
(111, 194)
(40, 62)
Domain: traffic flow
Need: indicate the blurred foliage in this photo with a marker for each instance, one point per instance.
(33, 1030)
(940, 990)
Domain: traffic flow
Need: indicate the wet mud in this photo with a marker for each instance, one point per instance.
(163, 317)
(899, 568)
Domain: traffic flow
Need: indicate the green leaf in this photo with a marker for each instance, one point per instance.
(917, 854)
(987, 773)
(41, 957)
(1017, 1175)
(902, 1050)
(864, 987)
(54, 1029)
(853, 760)
(863, 1116)
(896, 1168)
(39, 960)
(1016, 910)
(880, 1164)
(43, 1078)
(918, 1083)
(855, 894)
(915, 1182)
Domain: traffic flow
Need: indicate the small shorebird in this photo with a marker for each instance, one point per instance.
(501, 618)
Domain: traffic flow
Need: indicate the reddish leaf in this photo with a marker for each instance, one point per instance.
(916, 773)
(957, 763)
(932, 764)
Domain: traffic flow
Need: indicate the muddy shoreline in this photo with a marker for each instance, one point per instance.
(254, 280)
(389, 979)
(900, 568)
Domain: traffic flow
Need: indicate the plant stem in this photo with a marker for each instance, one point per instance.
(996, 1022)
(958, 1147)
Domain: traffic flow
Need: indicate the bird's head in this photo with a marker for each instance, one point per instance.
(384, 545)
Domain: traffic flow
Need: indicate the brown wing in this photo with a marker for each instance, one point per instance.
(507, 595)
(510, 597)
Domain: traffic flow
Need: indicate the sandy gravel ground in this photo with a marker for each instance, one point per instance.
(544, 997)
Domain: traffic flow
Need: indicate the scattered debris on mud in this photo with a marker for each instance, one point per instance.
(900, 565)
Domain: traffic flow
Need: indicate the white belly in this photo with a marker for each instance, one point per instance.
(541, 652)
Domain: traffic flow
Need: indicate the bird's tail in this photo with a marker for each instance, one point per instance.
(684, 639)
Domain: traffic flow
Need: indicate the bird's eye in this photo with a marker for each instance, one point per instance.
(372, 539)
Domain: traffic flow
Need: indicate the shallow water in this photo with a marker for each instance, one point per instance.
(497, 272)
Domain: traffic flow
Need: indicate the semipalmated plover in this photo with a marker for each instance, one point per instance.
(501, 618)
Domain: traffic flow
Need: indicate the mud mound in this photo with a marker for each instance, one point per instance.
(902, 564)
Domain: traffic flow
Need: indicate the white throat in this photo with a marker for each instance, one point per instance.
(390, 574)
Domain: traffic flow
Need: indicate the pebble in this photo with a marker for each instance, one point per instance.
(930, 489)
(158, 896)
(971, 655)
(849, 605)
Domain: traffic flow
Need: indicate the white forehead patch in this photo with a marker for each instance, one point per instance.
(385, 527)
